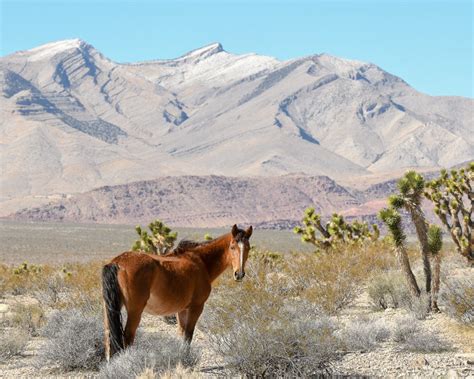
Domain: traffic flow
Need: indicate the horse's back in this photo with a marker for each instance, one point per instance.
(164, 283)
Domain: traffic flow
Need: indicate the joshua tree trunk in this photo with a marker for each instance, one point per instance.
(402, 257)
(422, 232)
(436, 258)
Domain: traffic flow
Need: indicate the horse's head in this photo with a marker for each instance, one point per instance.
(239, 250)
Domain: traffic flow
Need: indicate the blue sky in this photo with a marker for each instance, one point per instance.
(427, 43)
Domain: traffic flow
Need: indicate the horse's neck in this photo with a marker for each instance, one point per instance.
(214, 256)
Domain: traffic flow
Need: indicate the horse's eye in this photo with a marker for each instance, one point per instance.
(232, 247)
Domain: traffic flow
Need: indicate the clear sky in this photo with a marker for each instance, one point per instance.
(427, 43)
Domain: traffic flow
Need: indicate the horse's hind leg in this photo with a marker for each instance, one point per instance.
(134, 316)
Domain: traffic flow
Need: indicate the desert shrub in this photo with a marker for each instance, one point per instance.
(22, 279)
(425, 342)
(266, 257)
(53, 285)
(419, 307)
(70, 286)
(260, 327)
(404, 327)
(74, 340)
(388, 290)
(148, 373)
(12, 343)
(411, 336)
(457, 297)
(27, 317)
(363, 334)
(333, 280)
(83, 284)
(151, 353)
(179, 372)
(50, 290)
(287, 346)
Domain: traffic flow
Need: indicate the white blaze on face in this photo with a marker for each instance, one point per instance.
(241, 247)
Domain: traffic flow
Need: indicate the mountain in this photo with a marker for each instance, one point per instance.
(200, 201)
(72, 120)
(216, 201)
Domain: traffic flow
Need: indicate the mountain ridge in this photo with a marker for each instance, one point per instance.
(72, 120)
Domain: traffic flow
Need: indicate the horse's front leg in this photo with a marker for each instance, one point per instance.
(189, 321)
(182, 318)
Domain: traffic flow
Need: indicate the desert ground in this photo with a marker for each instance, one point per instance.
(344, 313)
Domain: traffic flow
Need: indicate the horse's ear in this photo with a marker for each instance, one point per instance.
(249, 231)
(235, 230)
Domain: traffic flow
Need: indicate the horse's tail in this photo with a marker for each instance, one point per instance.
(113, 329)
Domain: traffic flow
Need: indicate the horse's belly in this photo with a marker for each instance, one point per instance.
(157, 306)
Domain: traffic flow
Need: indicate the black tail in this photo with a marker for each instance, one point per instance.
(113, 304)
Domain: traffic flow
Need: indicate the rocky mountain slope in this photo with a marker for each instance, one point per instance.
(72, 120)
(219, 201)
(201, 201)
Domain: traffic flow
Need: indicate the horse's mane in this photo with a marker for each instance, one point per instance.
(187, 245)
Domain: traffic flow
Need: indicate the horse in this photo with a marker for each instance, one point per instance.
(176, 283)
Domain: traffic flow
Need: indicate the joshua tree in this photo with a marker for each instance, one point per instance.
(435, 243)
(159, 241)
(336, 230)
(393, 220)
(411, 188)
(453, 198)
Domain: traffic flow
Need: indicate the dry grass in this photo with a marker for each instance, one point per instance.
(331, 281)
(57, 287)
(22, 279)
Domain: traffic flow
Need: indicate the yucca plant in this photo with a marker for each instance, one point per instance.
(435, 243)
(393, 221)
(159, 240)
(337, 230)
(453, 197)
(411, 190)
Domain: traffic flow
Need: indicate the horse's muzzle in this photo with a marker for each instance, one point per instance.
(238, 276)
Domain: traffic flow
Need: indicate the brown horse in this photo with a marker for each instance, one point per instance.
(176, 283)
